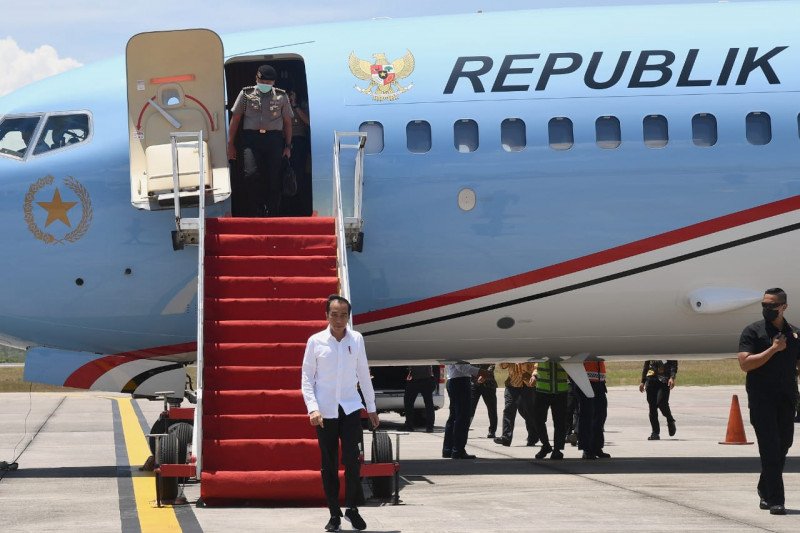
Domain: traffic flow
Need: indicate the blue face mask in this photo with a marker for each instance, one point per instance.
(264, 87)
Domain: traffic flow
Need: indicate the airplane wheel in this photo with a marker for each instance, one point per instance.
(168, 486)
(381, 453)
(182, 430)
(159, 426)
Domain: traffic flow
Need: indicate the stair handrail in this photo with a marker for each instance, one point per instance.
(197, 434)
(338, 215)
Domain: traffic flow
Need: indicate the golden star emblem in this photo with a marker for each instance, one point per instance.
(57, 209)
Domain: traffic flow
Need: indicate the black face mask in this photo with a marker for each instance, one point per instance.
(769, 314)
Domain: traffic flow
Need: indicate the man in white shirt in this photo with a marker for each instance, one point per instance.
(334, 363)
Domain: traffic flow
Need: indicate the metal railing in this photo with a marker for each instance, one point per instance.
(200, 226)
(338, 215)
(352, 225)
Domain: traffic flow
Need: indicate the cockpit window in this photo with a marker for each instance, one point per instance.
(61, 131)
(16, 135)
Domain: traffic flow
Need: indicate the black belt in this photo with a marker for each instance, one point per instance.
(263, 132)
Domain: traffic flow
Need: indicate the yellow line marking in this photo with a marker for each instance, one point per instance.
(151, 517)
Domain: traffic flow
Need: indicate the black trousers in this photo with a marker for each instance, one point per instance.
(456, 430)
(262, 154)
(519, 399)
(489, 395)
(592, 415)
(772, 416)
(346, 428)
(425, 388)
(299, 205)
(658, 398)
(557, 403)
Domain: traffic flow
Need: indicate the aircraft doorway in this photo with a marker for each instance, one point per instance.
(291, 77)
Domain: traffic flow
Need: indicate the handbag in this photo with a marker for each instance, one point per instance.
(288, 178)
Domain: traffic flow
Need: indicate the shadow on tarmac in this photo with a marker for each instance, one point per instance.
(64, 472)
(624, 465)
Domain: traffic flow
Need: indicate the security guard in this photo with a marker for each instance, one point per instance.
(266, 136)
(768, 352)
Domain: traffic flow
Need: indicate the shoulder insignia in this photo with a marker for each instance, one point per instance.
(382, 75)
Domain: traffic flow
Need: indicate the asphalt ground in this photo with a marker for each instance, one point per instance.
(79, 473)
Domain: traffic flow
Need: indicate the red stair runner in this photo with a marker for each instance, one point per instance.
(265, 289)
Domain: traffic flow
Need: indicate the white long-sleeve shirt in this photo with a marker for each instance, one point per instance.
(331, 370)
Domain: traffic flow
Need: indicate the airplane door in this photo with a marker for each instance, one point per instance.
(175, 84)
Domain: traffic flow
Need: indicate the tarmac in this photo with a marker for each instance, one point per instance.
(79, 452)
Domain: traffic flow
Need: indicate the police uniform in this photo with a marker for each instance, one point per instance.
(263, 141)
(771, 396)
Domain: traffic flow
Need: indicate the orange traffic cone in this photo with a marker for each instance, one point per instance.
(735, 433)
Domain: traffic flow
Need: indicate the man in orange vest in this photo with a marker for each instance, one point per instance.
(592, 412)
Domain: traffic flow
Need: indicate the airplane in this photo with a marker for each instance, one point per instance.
(572, 183)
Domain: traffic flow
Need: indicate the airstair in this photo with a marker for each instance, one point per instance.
(264, 284)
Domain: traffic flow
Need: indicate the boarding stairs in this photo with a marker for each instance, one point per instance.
(262, 289)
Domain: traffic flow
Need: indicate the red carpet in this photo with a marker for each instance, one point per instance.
(266, 285)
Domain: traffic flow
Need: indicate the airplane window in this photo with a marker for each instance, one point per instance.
(418, 136)
(512, 135)
(374, 131)
(16, 135)
(560, 133)
(759, 128)
(656, 131)
(465, 135)
(607, 132)
(61, 131)
(170, 97)
(704, 129)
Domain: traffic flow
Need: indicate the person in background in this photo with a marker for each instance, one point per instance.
(419, 380)
(593, 412)
(266, 118)
(299, 204)
(552, 383)
(456, 431)
(519, 397)
(658, 378)
(769, 352)
(486, 388)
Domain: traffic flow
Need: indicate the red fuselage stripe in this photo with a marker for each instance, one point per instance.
(85, 376)
(571, 266)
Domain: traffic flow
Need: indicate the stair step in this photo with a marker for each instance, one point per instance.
(261, 454)
(289, 486)
(265, 308)
(253, 354)
(262, 330)
(258, 427)
(269, 287)
(272, 226)
(251, 377)
(256, 265)
(270, 245)
(253, 402)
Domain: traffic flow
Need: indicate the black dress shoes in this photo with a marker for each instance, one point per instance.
(352, 516)
(333, 524)
(654, 436)
(556, 455)
(544, 452)
(490, 435)
(762, 504)
(446, 454)
(501, 440)
(462, 455)
(587, 455)
(671, 427)
(777, 509)
(603, 455)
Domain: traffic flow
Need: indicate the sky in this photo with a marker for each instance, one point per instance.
(40, 38)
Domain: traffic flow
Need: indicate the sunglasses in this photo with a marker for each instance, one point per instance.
(766, 305)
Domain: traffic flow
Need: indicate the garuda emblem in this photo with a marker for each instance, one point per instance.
(59, 218)
(382, 75)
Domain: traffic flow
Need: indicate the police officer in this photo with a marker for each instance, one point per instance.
(266, 137)
(768, 352)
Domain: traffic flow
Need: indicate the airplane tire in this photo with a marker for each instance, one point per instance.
(159, 426)
(168, 486)
(381, 453)
(182, 430)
